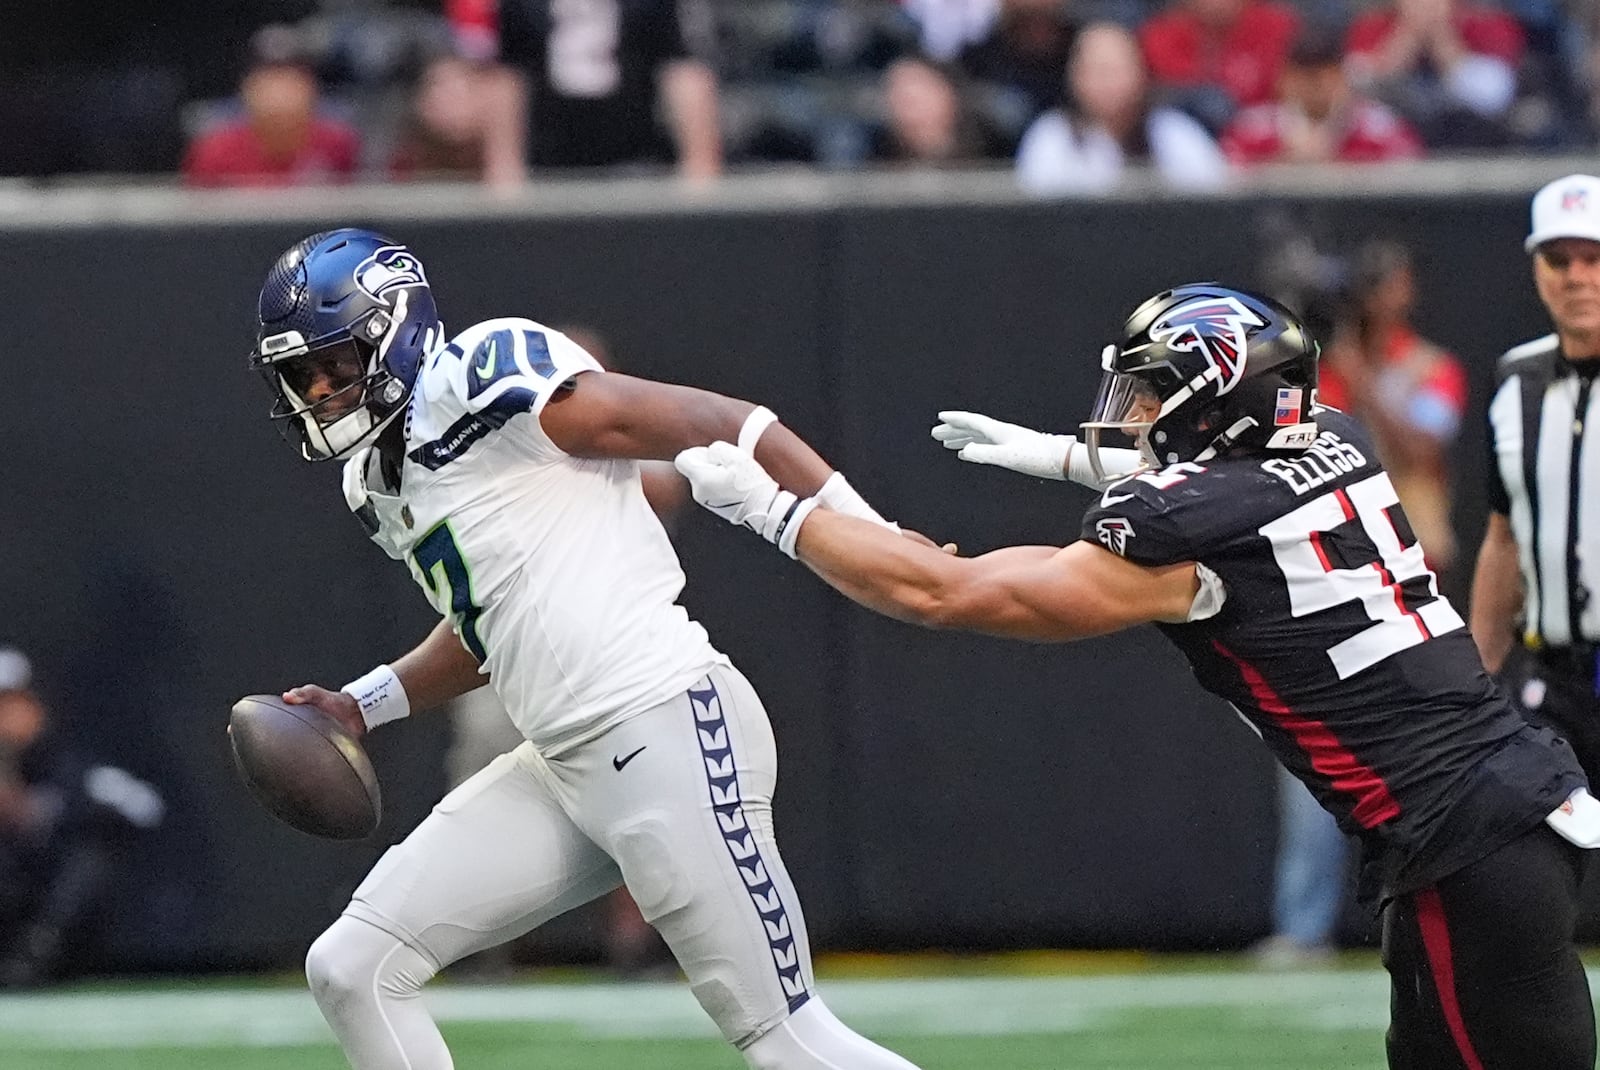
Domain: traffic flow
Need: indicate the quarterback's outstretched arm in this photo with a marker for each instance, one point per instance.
(615, 415)
(1040, 593)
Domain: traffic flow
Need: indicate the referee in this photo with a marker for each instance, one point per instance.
(1539, 565)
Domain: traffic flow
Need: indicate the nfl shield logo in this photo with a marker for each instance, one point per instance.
(1575, 200)
(1288, 411)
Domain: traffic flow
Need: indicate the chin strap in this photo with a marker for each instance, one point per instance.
(1226, 440)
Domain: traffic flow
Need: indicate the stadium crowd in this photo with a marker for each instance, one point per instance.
(280, 92)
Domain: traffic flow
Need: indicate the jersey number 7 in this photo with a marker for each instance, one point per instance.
(437, 555)
(1401, 619)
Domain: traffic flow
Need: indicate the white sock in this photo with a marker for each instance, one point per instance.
(366, 982)
(813, 1039)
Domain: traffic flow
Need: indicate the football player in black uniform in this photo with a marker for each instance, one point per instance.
(1264, 539)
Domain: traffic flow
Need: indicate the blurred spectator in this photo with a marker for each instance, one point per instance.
(1217, 56)
(1409, 392)
(1109, 122)
(927, 121)
(1309, 878)
(1582, 55)
(1025, 53)
(466, 122)
(948, 26)
(841, 37)
(281, 141)
(1449, 68)
(596, 70)
(69, 830)
(476, 26)
(1317, 117)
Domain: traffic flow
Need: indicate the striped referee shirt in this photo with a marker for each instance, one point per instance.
(1544, 474)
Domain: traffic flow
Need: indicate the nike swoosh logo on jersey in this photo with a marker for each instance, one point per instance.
(486, 369)
(618, 763)
(1115, 499)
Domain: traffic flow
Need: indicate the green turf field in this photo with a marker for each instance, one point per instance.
(1215, 1017)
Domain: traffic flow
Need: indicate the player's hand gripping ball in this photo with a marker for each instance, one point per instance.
(305, 767)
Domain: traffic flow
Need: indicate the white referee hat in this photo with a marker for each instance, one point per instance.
(1566, 208)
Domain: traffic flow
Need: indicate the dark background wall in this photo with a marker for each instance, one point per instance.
(165, 554)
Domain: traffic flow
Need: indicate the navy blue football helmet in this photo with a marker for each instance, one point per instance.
(344, 321)
(1204, 368)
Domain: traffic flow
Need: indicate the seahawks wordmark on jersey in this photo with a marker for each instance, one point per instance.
(551, 568)
(1334, 642)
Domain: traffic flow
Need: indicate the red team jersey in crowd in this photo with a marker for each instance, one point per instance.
(1444, 377)
(476, 24)
(1372, 133)
(234, 156)
(1484, 31)
(1245, 61)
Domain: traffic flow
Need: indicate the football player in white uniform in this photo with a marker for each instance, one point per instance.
(501, 466)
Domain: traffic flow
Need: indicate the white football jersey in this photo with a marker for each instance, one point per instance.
(552, 569)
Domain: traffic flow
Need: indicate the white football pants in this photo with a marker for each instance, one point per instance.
(677, 804)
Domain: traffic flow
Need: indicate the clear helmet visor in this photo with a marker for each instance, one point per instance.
(1124, 408)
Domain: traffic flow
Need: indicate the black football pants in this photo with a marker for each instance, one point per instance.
(1483, 969)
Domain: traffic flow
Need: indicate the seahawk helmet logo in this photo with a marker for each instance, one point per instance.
(389, 267)
(1113, 532)
(1216, 327)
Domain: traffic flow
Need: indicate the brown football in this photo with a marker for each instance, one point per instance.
(305, 768)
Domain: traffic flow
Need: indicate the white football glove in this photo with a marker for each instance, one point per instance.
(985, 440)
(732, 484)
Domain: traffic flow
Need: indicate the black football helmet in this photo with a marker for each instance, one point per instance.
(344, 320)
(1202, 369)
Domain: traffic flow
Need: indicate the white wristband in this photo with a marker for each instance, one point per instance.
(381, 695)
(755, 425)
(787, 535)
(837, 494)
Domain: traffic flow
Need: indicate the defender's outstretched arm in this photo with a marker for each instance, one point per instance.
(1038, 593)
(1042, 593)
(982, 439)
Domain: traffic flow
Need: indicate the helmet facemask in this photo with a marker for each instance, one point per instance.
(358, 395)
(1125, 409)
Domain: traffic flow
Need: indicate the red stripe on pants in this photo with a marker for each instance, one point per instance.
(1436, 942)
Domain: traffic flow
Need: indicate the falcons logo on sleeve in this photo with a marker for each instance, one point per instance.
(1218, 327)
(1114, 533)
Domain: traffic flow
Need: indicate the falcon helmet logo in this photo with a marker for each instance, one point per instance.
(1216, 327)
(389, 267)
(1113, 533)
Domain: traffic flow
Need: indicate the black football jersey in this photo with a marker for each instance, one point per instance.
(1335, 644)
